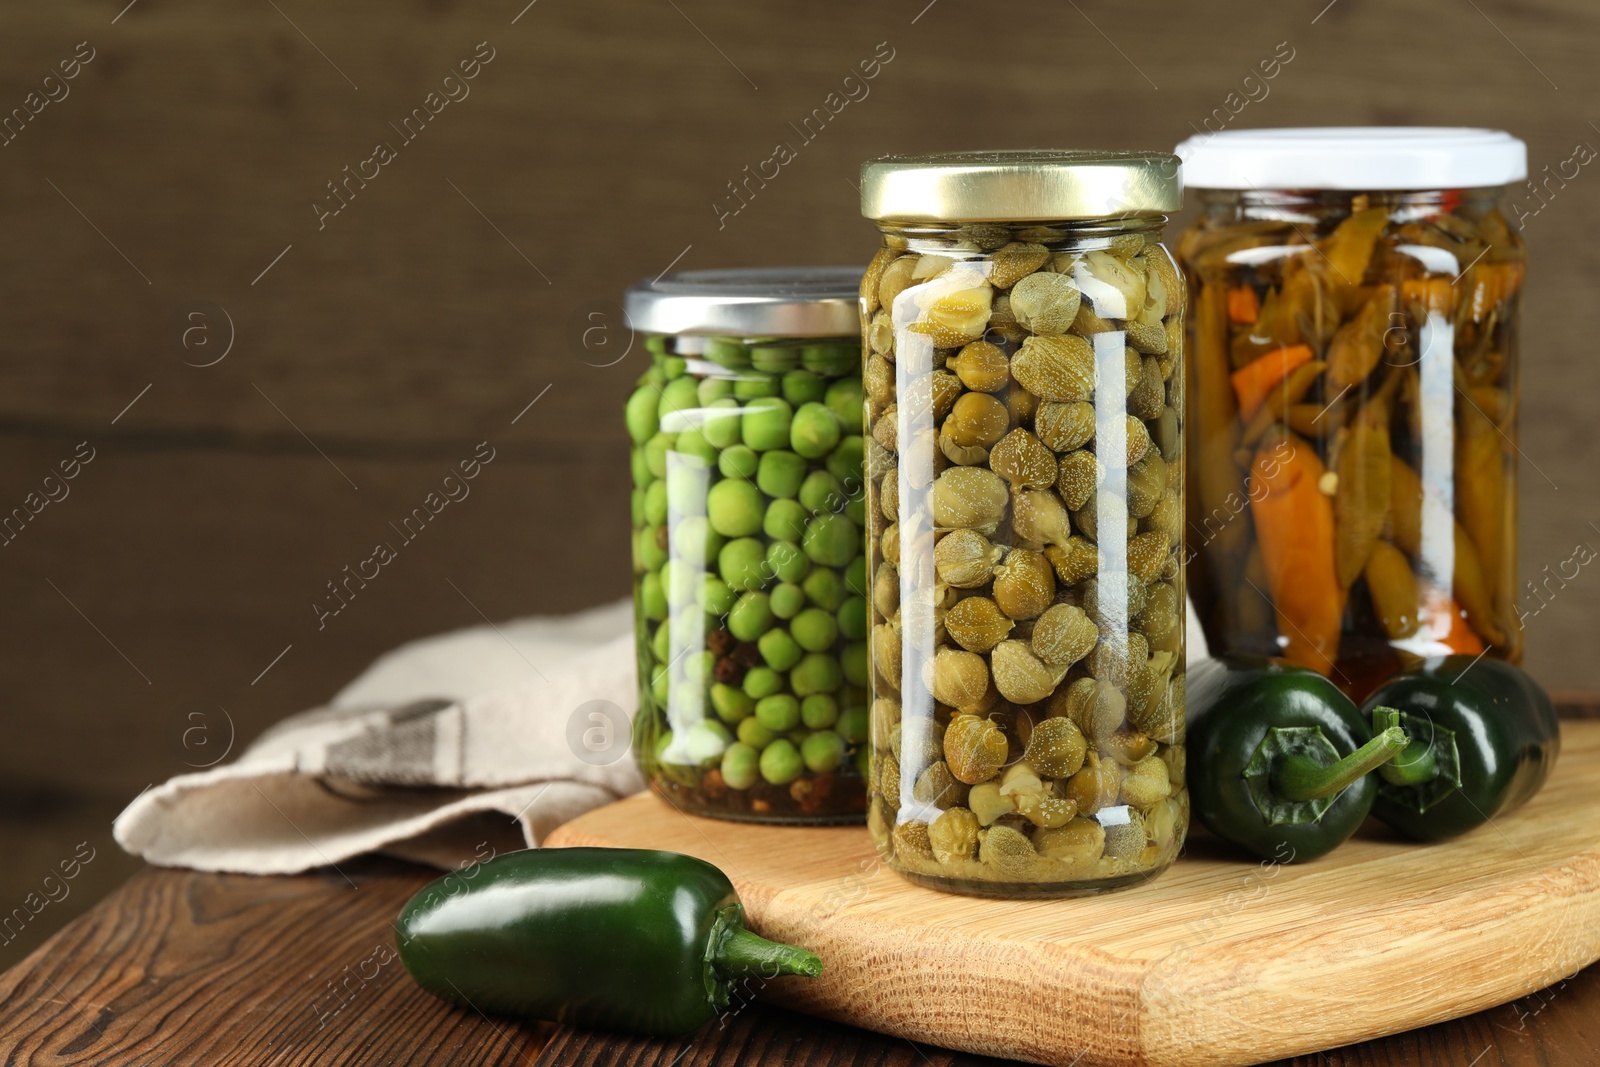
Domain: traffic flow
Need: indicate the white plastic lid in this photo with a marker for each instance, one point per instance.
(1353, 157)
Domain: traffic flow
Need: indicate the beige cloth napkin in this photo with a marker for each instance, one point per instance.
(488, 737)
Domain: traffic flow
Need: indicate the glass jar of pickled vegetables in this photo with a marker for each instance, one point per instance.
(749, 579)
(1023, 331)
(1353, 334)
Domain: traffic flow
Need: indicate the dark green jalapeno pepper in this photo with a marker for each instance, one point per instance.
(1484, 737)
(620, 939)
(1279, 757)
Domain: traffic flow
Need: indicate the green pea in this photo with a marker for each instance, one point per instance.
(655, 453)
(697, 667)
(756, 387)
(780, 762)
(813, 630)
(831, 540)
(823, 752)
(855, 576)
(681, 580)
(688, 626)
(852, 618)
(656, 343)
(706, 741)
(733, 705)
(780, 473)
(780, 650)
(686, 485)
(752, 733)
(735, 507)
(692, 538)
(853, 725)
(741, 766)
(636, 506)
(855, 509)
(778, 712)
(824, 588)
(762, 682)
(714, 389)
(787, 600)
(766, 423)
(803, 387)
(854, 661)
(652, 598)
(743, 564)
(641, 415)
(680, 394)
(750, 617)
(845, 462)
(818, 672)
(661, 643)
(651, 554)
(774, 359)
(832, 360)
(661, 687)
(673, 367)
(787, 561)
(693, 442)
(738, 461)
(654, 379)
(821, 493)
(722, 419)
(716, 596)
(785, 520)
(726, 352)
(819, 711)
(639, 468)
(814, 431)
(847, 400)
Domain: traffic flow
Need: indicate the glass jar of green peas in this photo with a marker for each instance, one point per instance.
(749, 575)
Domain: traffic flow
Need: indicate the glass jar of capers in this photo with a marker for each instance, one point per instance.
(749, 579)
(1354, 342)
(1024, 376)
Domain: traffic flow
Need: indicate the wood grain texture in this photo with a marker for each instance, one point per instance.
(1214, 963)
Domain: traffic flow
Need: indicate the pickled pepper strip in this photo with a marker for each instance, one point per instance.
(1294, 523)
(1443, 620)
(1280, 400)
(1393, 589)
(1349, 247)
(1468, 583)
(1218, 487)
(1361, 500)
(1243, 307)
(1491, 284)
(1481, 484)
(1253, 381)
(1357, 346)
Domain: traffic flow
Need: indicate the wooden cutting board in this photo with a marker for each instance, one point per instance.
(1218, 961)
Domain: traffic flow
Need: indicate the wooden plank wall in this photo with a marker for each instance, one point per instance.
(374, 348)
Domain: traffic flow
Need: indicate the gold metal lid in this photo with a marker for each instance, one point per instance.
(1029, 185)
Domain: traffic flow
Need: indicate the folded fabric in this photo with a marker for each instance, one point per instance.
(488, 737)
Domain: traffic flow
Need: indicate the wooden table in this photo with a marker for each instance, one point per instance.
(179, 967)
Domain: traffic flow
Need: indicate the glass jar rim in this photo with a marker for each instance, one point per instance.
(749, 302)
(1354, 158)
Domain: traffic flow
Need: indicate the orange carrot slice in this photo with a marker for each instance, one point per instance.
(1243, 307)
(1253, 381)
(1294, 525)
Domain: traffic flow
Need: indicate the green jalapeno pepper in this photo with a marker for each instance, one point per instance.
(1485, 736)
(1279, 758)
(621, 939)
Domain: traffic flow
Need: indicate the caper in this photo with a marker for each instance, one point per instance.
(1020, 676)
(1096, 785)
(886, 654)
(938, 786)
(1126, 841)
(1038, 516)
(1147, 482)
(965, 559)
(1079, 842)
(977, 624)
(953, 835)
(1008, 851)
(1014, 261)
(1095, 707)
(1064, 427)
(896, 278)
(877, 378)
(982, 367)
(1147, 552)
(1149, 396)
(886, 590)
(959, 678)
(970, 497)
(974, 748)
(1045, 303)
(1056, 748)
(1022, 459)
(1024, 584)
(1057, 369)
(976, 419)
(944, 390)
(1063, 635)
(1075, 560)
(955, 318)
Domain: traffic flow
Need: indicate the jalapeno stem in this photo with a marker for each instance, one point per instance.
(1299, 777)
(740, 954)
(1415, 765)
